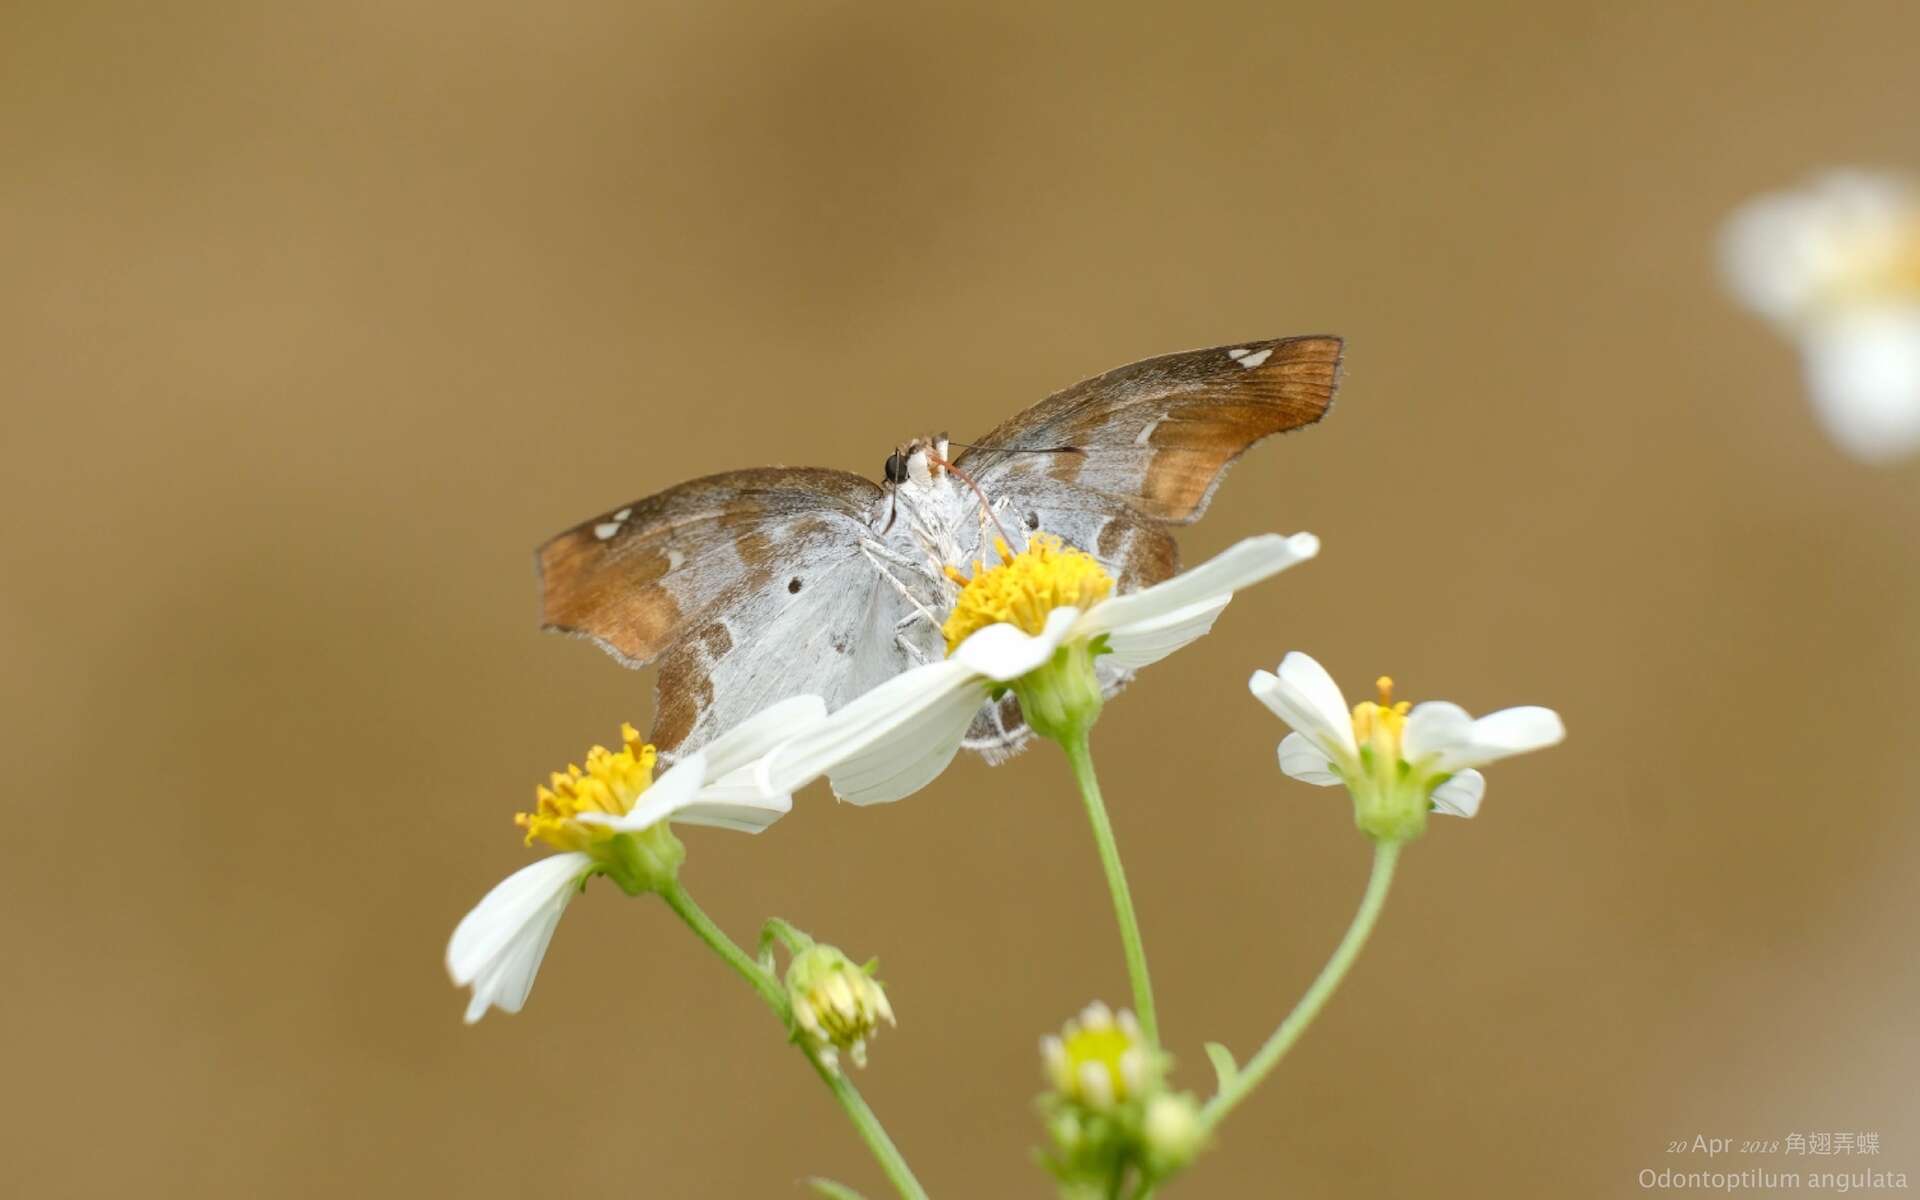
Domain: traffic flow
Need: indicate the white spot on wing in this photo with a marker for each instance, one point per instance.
(1146, 433)
(674, 559)
(607, 529)
(1254, 360)
(1236, 353)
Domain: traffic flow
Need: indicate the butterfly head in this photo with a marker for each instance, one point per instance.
(920, 461)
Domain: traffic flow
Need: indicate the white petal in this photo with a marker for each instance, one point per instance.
(1004, 653)
(1514, 731)
(1237, 566)
(1863, 370)
(736, 802)
(1437, 729)
(498, 946)
(1301, 759)
(664, 798)
(1145, 642)
(1441, 735)
(909, 722)
(1096, 1085)
(758, 734)
(1460, 795)
(502, 911)
(1306, 698)
(1775, 254)
(505, 982)
(902, 765)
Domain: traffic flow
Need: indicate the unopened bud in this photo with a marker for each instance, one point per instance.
(837, 1005)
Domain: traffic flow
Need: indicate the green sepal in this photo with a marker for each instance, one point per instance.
(642, 861)
(1061, 698)
(1225, 1070)
(794, 938)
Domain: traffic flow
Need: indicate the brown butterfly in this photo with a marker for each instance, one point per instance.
(753, 586)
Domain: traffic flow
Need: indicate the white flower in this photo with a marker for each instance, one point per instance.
(611, 818)
(897, 738)
(1836, 267)
(1396, 763)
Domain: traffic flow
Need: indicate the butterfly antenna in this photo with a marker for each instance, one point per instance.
(1018, 449)
(975, 485)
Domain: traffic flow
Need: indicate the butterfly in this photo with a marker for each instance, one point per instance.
(749, 587)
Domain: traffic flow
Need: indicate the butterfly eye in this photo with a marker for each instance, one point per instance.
(896, 469)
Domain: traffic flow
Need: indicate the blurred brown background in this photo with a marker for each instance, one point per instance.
(318, 317)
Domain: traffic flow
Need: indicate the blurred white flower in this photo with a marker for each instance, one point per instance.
(1039, 609)
(1397, 760)
(611, 818)
(1836, 267)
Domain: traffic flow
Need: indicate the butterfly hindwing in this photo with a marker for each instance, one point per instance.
(748, 587)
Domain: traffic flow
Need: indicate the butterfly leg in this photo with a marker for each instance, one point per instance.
(909, 645)
(920, 611)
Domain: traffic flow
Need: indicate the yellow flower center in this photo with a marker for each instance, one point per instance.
(610, 783)
(1882, 264)
(1024, 588)
(1103, 1048)
(1379, 726)
(1100, 1059)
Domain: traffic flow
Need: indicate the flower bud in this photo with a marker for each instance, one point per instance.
(1109, 1115)
(1099, 1060)
(1172, 1132)
(837, 1005)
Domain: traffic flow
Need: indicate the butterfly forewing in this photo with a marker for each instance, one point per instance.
(1161, 432)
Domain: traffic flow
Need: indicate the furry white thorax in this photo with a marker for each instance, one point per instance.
(940, 517)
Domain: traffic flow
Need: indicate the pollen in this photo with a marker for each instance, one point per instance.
(609, 783)
(1378, 726)
(1025, 587)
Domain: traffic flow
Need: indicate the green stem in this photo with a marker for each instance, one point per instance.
(716, 938)
(864, 1122)
(1385, 856)
(1081, 757)
(891, 1160)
